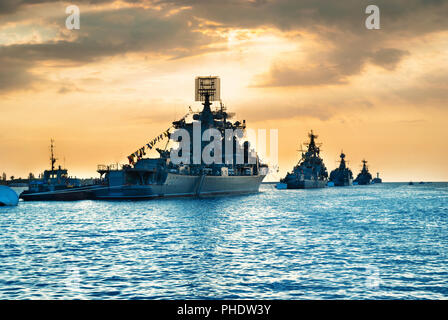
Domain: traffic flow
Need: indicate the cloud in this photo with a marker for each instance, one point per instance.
(425, 91)
(334, 67)
(283, 75)
(12, 6)
(14, 74)
(337, 25)
(106, 34)
(346, 46)
(388, 58)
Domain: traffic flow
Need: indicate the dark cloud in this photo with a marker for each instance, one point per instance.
(333, 68)
(108, 33)
(105, 34)
(407, 16)
(399, 15)
(14, 74)
(339, 25)
(388, 58)
(11, 6)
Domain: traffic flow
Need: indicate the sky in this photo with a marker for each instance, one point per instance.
(108, 88)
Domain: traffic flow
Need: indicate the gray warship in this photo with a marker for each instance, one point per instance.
(377, 179)
(364, 177)
(342, 176)
(148, 178)
(310, 172)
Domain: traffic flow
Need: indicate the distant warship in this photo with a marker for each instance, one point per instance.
(377, 179)
(364, 177)
(342, 176)
(310, 172)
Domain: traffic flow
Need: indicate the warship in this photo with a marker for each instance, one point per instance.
(178, 172)
(377, 179)
(310, 172)
(364, 177)
(342, 176)
(55, 184)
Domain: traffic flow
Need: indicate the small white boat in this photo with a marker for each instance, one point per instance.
(8, 197)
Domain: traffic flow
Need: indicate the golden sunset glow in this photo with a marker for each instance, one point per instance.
(106, 89)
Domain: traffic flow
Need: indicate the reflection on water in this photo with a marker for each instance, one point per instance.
(381, 241)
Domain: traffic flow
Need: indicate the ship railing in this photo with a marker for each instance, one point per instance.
(115, 166)
(111, 167)
(102, 167)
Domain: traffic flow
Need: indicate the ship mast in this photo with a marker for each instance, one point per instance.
(313, 148)
(206, 115)
(52, 158)
(342, 163)
(364, 165)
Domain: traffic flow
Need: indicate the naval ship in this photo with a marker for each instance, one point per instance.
(310, 172)
(377, 179)
(342, 176)
(55, 184)
(364, 177)
(237, 170)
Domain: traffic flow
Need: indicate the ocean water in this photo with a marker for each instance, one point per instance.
(387, 241)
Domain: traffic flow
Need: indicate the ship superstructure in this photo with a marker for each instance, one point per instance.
(310, 172)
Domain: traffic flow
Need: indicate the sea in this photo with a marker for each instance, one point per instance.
(382, 241)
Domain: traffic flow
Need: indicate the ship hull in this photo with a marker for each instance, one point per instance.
(177, 185)
(306, 184)
(71, 194)
(363, 182)
(343, 183)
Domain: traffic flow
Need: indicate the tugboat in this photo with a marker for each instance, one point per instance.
(377, 179)
(341, 176)
(310, 172)
(183, 171)
(55, 184)
(364, 177)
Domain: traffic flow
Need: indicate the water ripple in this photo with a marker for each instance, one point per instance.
(386, 241)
